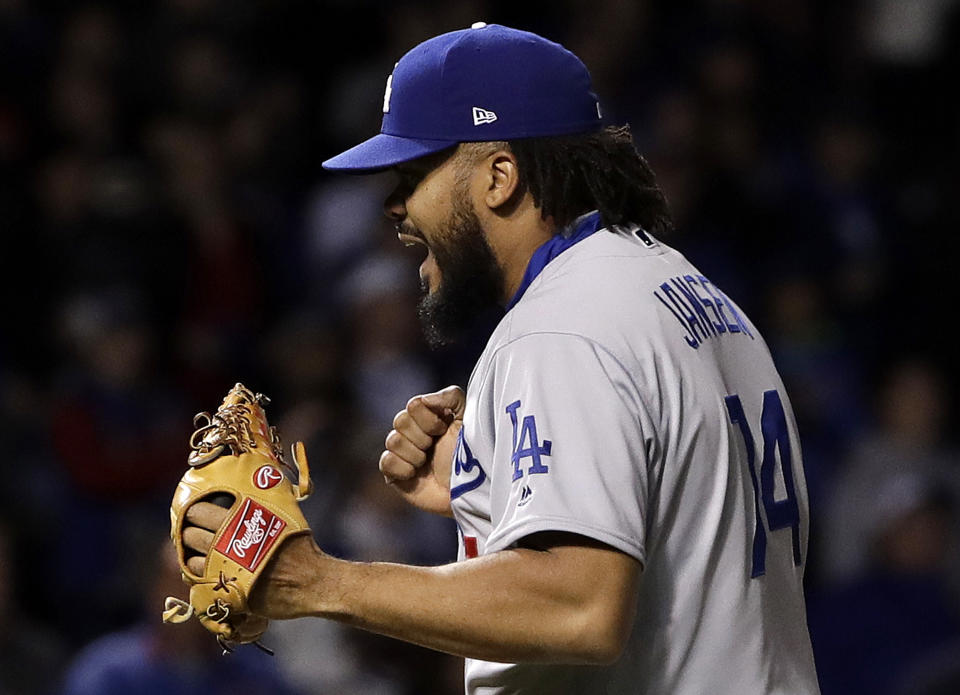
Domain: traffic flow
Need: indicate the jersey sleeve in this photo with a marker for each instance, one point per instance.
(571, 444)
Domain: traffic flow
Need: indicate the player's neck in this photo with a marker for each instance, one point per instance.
(514, 238)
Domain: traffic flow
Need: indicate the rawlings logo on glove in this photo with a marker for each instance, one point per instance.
(236, 456)
(259, 529)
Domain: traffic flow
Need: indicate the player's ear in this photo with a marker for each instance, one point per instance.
(503, 178)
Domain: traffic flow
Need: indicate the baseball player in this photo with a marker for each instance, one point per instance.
(624, 466)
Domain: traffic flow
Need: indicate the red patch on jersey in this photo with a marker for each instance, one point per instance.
(267, 477)
(250, 534)
(470, 546)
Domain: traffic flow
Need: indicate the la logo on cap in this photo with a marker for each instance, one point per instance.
(481, 116)
(388, 91)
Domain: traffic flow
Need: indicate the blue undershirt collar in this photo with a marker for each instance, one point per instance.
(577, 231)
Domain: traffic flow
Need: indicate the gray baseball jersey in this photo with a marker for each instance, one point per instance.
(625, 398)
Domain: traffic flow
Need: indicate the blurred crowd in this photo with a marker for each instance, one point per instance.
(170, 232)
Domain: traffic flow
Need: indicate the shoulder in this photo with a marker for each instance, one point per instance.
(601, 290)
(592, 307)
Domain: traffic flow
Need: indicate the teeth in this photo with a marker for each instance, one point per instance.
(409, 240)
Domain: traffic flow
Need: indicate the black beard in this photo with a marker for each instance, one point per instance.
(471, 281)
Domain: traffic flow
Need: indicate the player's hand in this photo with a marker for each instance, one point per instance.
(200, 524)
(279, 593)
(419, 449)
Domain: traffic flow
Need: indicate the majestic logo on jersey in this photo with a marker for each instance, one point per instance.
(481, 116)
(526, 444)
(464, 465)
(701, 311)
(525, 494)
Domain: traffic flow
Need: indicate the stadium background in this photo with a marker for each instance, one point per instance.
(168, 231)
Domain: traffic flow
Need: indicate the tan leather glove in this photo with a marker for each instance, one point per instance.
(236, 459)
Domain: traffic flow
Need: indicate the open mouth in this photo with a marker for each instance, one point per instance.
(411, 240)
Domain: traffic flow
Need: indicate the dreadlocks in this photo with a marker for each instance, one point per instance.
(573, 174)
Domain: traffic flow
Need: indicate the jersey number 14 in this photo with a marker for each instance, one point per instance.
(783, 513)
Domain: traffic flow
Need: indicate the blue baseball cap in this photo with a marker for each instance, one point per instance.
(488, 82)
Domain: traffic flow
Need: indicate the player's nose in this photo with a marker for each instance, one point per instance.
(394, 207)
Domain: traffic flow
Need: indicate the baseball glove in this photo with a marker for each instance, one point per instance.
(236, 461)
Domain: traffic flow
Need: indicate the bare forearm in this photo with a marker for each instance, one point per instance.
(515, 606)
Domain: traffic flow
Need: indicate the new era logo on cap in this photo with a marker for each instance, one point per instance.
(481, 116)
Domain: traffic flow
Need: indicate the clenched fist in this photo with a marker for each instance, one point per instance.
(419, 449)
